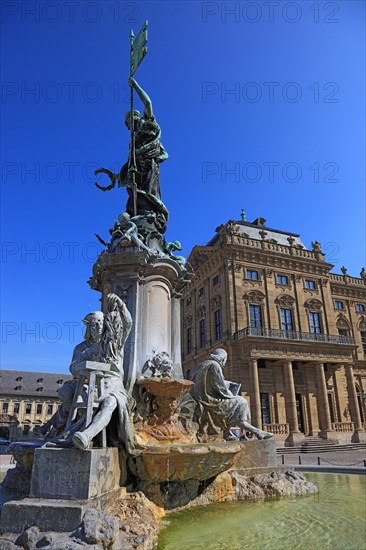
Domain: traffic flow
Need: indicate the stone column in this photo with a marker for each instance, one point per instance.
(255, 395)
(150, 286)
(311, 396)
(295, 436)
(359, 435)
(291, 409)
(323, 405)
(341, 401)
(176, 335)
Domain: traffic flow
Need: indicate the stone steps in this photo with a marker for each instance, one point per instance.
(328, 447)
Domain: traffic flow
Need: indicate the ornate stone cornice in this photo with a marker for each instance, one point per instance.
(254, 297)
(188, 321)
(285, 301)
(361, 325)
(313, 304)
(311, 291)
(216, 302)
(300, 352)
(201, 312)
(342, 321)
(350, 292)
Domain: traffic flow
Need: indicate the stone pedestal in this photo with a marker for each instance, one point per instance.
(73, 474)
(330, 435)
(50, 515)
(294, 439)
(150, 285)
(256, 454)
(359, 436)
(64, 483)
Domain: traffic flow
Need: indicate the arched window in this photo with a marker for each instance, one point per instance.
(314, 309)
(255, 301)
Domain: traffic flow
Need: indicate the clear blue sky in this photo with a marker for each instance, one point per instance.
(287, 143)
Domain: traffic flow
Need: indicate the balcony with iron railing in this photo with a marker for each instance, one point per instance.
(294, 335)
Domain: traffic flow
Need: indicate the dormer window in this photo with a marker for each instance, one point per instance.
(40, 380)
(60, 381)
(19, 379)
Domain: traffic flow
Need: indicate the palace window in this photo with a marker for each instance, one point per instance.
(188, 301)
(16, 408)
(39, 408)
(282, 280)
(266, 415)
(218, 325)
(343, 332)
(189, 340)
(286, 319)
(28, 408)
(26, 429)
(252, 275)
(315, 326)
(255, 316)
(5, 407)
(216, 280)
(338, 304)
(202, 333)
(360, 308)
(201, 292)
(363, 340)
(50, 409)
(309, 283)
(331, 406)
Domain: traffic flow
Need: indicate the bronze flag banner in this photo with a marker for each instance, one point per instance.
(138, 49)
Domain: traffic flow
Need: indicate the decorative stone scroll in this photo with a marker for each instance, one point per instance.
(254, 297)
(313, 305)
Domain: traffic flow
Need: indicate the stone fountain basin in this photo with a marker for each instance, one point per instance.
(198, 461)
(166, 387)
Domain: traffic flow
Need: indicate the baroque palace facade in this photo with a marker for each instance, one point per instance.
(294, 332)
(27, 399)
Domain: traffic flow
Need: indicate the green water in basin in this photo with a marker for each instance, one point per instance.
(333, 519)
